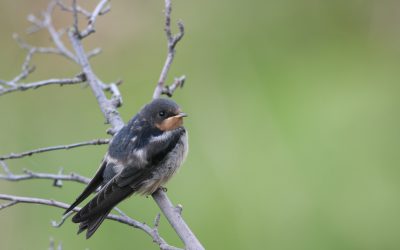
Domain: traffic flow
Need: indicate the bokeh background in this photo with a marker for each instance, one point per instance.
(294, 122)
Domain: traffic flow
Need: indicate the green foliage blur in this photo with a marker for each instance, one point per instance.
(293, 121)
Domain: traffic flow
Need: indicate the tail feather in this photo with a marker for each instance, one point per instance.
(93, 214)
(92, 224)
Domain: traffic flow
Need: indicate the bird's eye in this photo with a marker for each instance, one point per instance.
(161, 113)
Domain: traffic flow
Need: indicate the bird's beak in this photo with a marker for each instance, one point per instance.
(181, 114)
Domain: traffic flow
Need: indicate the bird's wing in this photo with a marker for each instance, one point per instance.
(91, 187)
(123, 184)
(134, 174)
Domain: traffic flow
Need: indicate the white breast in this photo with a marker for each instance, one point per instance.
(168, 167)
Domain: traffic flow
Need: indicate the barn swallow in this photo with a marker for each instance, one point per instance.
(141, 157)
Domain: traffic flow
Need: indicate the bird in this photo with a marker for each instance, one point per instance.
(142, 156)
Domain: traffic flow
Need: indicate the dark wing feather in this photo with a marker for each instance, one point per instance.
(124, 183)
(108, 197)
(134, 176)
(91, 187)
(93, 214)
(91, 225)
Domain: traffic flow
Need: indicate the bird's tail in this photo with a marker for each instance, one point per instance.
(93, 214)
(92, 224)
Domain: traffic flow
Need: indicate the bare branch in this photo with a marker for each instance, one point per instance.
(178, 83)
(57, 182)
(63, 219)
(119, 218)
(55, 36)
(98, 10)
(107, 107)
(26, 69)
(35, 85)
(79, 9)
(116, 97)
(5, 168)
(66, 147)
(75, 15)
(93, 52)
(29, 175)
(172, 42)
(174, 217)
(25, 45)
(9, 204)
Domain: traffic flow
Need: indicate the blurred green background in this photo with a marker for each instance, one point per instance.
(294, 122)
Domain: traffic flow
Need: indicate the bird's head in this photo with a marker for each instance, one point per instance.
(163, 114)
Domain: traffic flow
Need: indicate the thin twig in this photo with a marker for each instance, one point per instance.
(35, 85)
(55, 36)
(75, 15)
(5, 168)
(93, 52)
(92, 19)
(63, 219)
(29, 175)
(41, 150)
(107, 106)
(79, 9)
(172, 42)
(178, 83)
(56, 182)
(9, 204)
(25, 45)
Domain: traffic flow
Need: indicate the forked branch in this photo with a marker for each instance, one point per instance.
(172, 41)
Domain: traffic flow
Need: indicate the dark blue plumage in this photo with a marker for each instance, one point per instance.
(141, 157)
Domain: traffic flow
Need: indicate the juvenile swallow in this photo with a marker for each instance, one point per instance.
(141, 157)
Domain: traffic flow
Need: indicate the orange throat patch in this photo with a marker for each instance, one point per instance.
(170, 123)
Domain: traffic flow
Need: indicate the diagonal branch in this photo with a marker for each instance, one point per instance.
(60, 147)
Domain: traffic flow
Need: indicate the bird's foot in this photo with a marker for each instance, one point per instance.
(164, 189)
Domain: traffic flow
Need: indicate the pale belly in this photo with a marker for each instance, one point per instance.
(166, 168)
